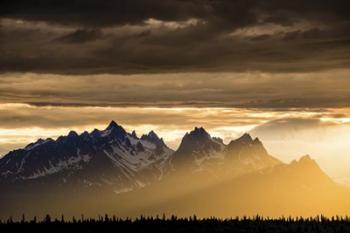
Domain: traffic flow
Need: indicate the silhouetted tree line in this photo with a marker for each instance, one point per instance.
(174, 224)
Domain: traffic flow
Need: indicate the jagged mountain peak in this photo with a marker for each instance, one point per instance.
(246, 138)
(303, 160)
(114, 130)
(112, 125)
(248, 150)
(199, 131)
(115, 126)
(133, 134)
(196, 137)
(72, 134)
(195, 145)
(96, 133)
(307, 169)
(306, 163)
(84, 133)
(151, 136)
(39, 142)
(257, 141)
(306, 160)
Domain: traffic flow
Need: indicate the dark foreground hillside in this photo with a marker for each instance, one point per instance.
(173, 224)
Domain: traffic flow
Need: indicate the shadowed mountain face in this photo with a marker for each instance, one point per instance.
(109, 157)
(115, 171)
(199, 151)
(195, 147)
(246, 155)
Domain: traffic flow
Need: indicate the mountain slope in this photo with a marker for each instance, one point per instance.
(108, 157)
(200, 152)
(300, 188)
(116, 172)
(245, 155)
(196, 147)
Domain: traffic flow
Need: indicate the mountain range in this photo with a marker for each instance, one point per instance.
(114, 171)
(108, 157)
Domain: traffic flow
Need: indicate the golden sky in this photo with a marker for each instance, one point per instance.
(286, 133)
(277, 69)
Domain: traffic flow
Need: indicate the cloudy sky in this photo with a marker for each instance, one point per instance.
(277, 69)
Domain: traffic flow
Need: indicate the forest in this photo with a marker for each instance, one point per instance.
(173, 224)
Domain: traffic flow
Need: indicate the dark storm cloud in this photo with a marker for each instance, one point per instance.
(173, 35)
(100, 13)
(236, 12)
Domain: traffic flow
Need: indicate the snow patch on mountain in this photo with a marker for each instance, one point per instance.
(72, 162)
(36, 144)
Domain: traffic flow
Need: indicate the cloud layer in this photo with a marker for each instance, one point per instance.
(257, 90)
(170, 36)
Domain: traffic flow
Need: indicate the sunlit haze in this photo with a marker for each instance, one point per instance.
(144, 107)
(287, 133)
